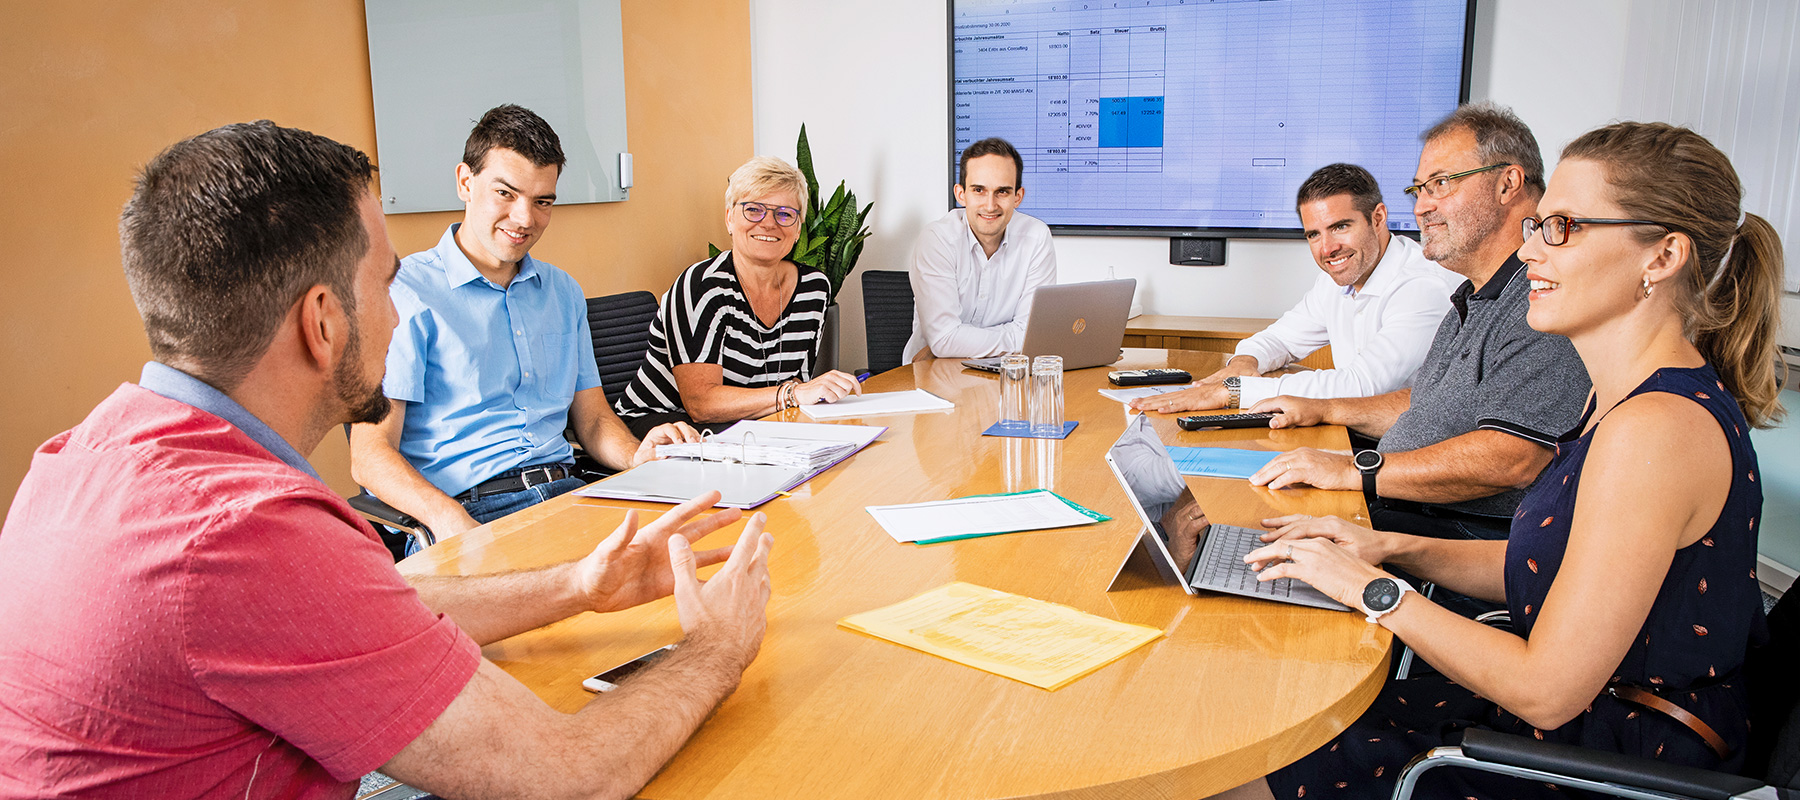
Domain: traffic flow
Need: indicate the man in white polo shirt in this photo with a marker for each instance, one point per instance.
(974, 269)
(1378, 303)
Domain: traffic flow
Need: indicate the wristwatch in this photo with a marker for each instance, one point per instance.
(1382, 596)
(1368, 462)
(1234, 387)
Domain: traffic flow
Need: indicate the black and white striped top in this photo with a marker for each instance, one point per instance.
(705, 318)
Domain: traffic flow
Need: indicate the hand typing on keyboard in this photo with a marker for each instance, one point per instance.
(1330, 567)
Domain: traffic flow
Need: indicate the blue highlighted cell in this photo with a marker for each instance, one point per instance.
(1114, 122)
(1145, 121)
(1131, 122)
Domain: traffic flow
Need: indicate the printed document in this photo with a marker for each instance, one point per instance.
(985, 515)
(1132, 393)
(877, 404)
(1220, 462)
(1044, 644)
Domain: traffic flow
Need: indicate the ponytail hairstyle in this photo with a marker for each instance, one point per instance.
(1729, 293)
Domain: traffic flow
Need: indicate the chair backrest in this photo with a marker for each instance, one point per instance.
(1773, 674)
(620, 324)
(887, 316)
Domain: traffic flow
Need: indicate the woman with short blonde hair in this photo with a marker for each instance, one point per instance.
(737, 336)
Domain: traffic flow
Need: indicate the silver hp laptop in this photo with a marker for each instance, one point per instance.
(1082, 322)
(1185, 549)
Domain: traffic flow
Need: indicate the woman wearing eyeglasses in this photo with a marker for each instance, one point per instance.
(1630, 570)
(736, 336)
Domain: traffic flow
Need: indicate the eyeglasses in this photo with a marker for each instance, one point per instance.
(1556, 226)
(784, 216)
(1439, 187)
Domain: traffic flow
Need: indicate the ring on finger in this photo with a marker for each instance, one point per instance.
(1290, 554)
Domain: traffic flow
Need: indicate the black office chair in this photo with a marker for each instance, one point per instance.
(887, 317)
(1772, 769)
(620, 325)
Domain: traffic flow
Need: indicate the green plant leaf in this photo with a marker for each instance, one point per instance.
(712, 250)
(831, 239)
(803, 156)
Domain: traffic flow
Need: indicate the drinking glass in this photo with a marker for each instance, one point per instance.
(1047, 396)
(1015, 369)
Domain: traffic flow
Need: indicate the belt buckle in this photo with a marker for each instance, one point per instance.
(547, 474)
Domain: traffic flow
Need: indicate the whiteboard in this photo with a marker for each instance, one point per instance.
(437, 65)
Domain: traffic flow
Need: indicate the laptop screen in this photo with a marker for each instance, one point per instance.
(1158, 492)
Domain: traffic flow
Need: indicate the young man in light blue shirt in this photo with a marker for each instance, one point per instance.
(492, 359)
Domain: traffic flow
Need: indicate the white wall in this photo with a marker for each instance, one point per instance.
(869, 79)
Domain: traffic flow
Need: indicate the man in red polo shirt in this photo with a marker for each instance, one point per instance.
(187, 611)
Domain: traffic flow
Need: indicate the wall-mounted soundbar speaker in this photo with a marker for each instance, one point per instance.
(1197, 252)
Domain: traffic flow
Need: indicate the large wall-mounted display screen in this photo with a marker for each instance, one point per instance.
(1157, 116)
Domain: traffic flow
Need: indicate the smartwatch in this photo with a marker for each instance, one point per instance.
(1234, 387)
(1382, 596)
(1368, 462)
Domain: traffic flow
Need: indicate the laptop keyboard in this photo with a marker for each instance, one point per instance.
(1225, 568)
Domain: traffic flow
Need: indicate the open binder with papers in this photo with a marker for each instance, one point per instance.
(749, 463)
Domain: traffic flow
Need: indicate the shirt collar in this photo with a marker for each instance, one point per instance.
(181, 387)
(1490, 290)
(1502, 277)
(969, 240)
(1386, 270)
(460, 270)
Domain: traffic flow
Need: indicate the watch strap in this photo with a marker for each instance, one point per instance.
(1368, 474)
(1374, 616)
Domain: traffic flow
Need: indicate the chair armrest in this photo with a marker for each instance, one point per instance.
(1604, 767)
(380, 513)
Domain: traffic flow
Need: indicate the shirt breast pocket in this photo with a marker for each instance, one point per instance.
(554, 376)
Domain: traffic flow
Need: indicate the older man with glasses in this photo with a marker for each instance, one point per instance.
(1487, 407)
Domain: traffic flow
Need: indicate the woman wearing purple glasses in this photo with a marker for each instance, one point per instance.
(737, 335)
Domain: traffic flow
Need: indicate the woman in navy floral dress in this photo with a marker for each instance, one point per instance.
(1631, 562)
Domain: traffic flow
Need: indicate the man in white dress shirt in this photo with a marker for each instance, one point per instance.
(1378, 304)
(974, 269)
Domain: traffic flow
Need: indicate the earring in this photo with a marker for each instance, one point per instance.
(1648, 286)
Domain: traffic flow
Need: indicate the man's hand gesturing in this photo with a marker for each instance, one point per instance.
(728, 610)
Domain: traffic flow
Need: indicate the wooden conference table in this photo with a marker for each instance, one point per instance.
(1236, 688)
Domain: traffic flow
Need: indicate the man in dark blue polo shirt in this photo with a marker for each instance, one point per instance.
(1458, 449)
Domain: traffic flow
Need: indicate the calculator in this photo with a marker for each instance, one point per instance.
(1200, 422)
(1148, 377)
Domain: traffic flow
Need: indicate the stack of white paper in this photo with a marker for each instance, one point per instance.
(877, 404)
(986, 515)
(1132, 393)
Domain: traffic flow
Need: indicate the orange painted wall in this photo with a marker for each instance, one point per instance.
(91, 90)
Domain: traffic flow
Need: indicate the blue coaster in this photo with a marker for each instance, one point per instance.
(1020, 430)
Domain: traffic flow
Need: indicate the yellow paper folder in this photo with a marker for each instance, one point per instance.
(1031, 641)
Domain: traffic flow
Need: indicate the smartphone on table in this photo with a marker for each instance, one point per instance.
(609, 680)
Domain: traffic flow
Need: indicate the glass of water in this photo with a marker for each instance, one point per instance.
(1015, 375)
(1047, 396)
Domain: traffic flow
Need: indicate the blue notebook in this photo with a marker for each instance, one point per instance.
(1220, 462)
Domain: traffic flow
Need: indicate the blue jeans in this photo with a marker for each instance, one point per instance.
(490, 507)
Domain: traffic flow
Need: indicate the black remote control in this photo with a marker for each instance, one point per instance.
(1217, 421)
(1148, 377)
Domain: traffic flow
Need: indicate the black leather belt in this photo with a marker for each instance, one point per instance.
(518, 481)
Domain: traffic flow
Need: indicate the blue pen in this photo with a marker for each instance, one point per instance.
(863, 376)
